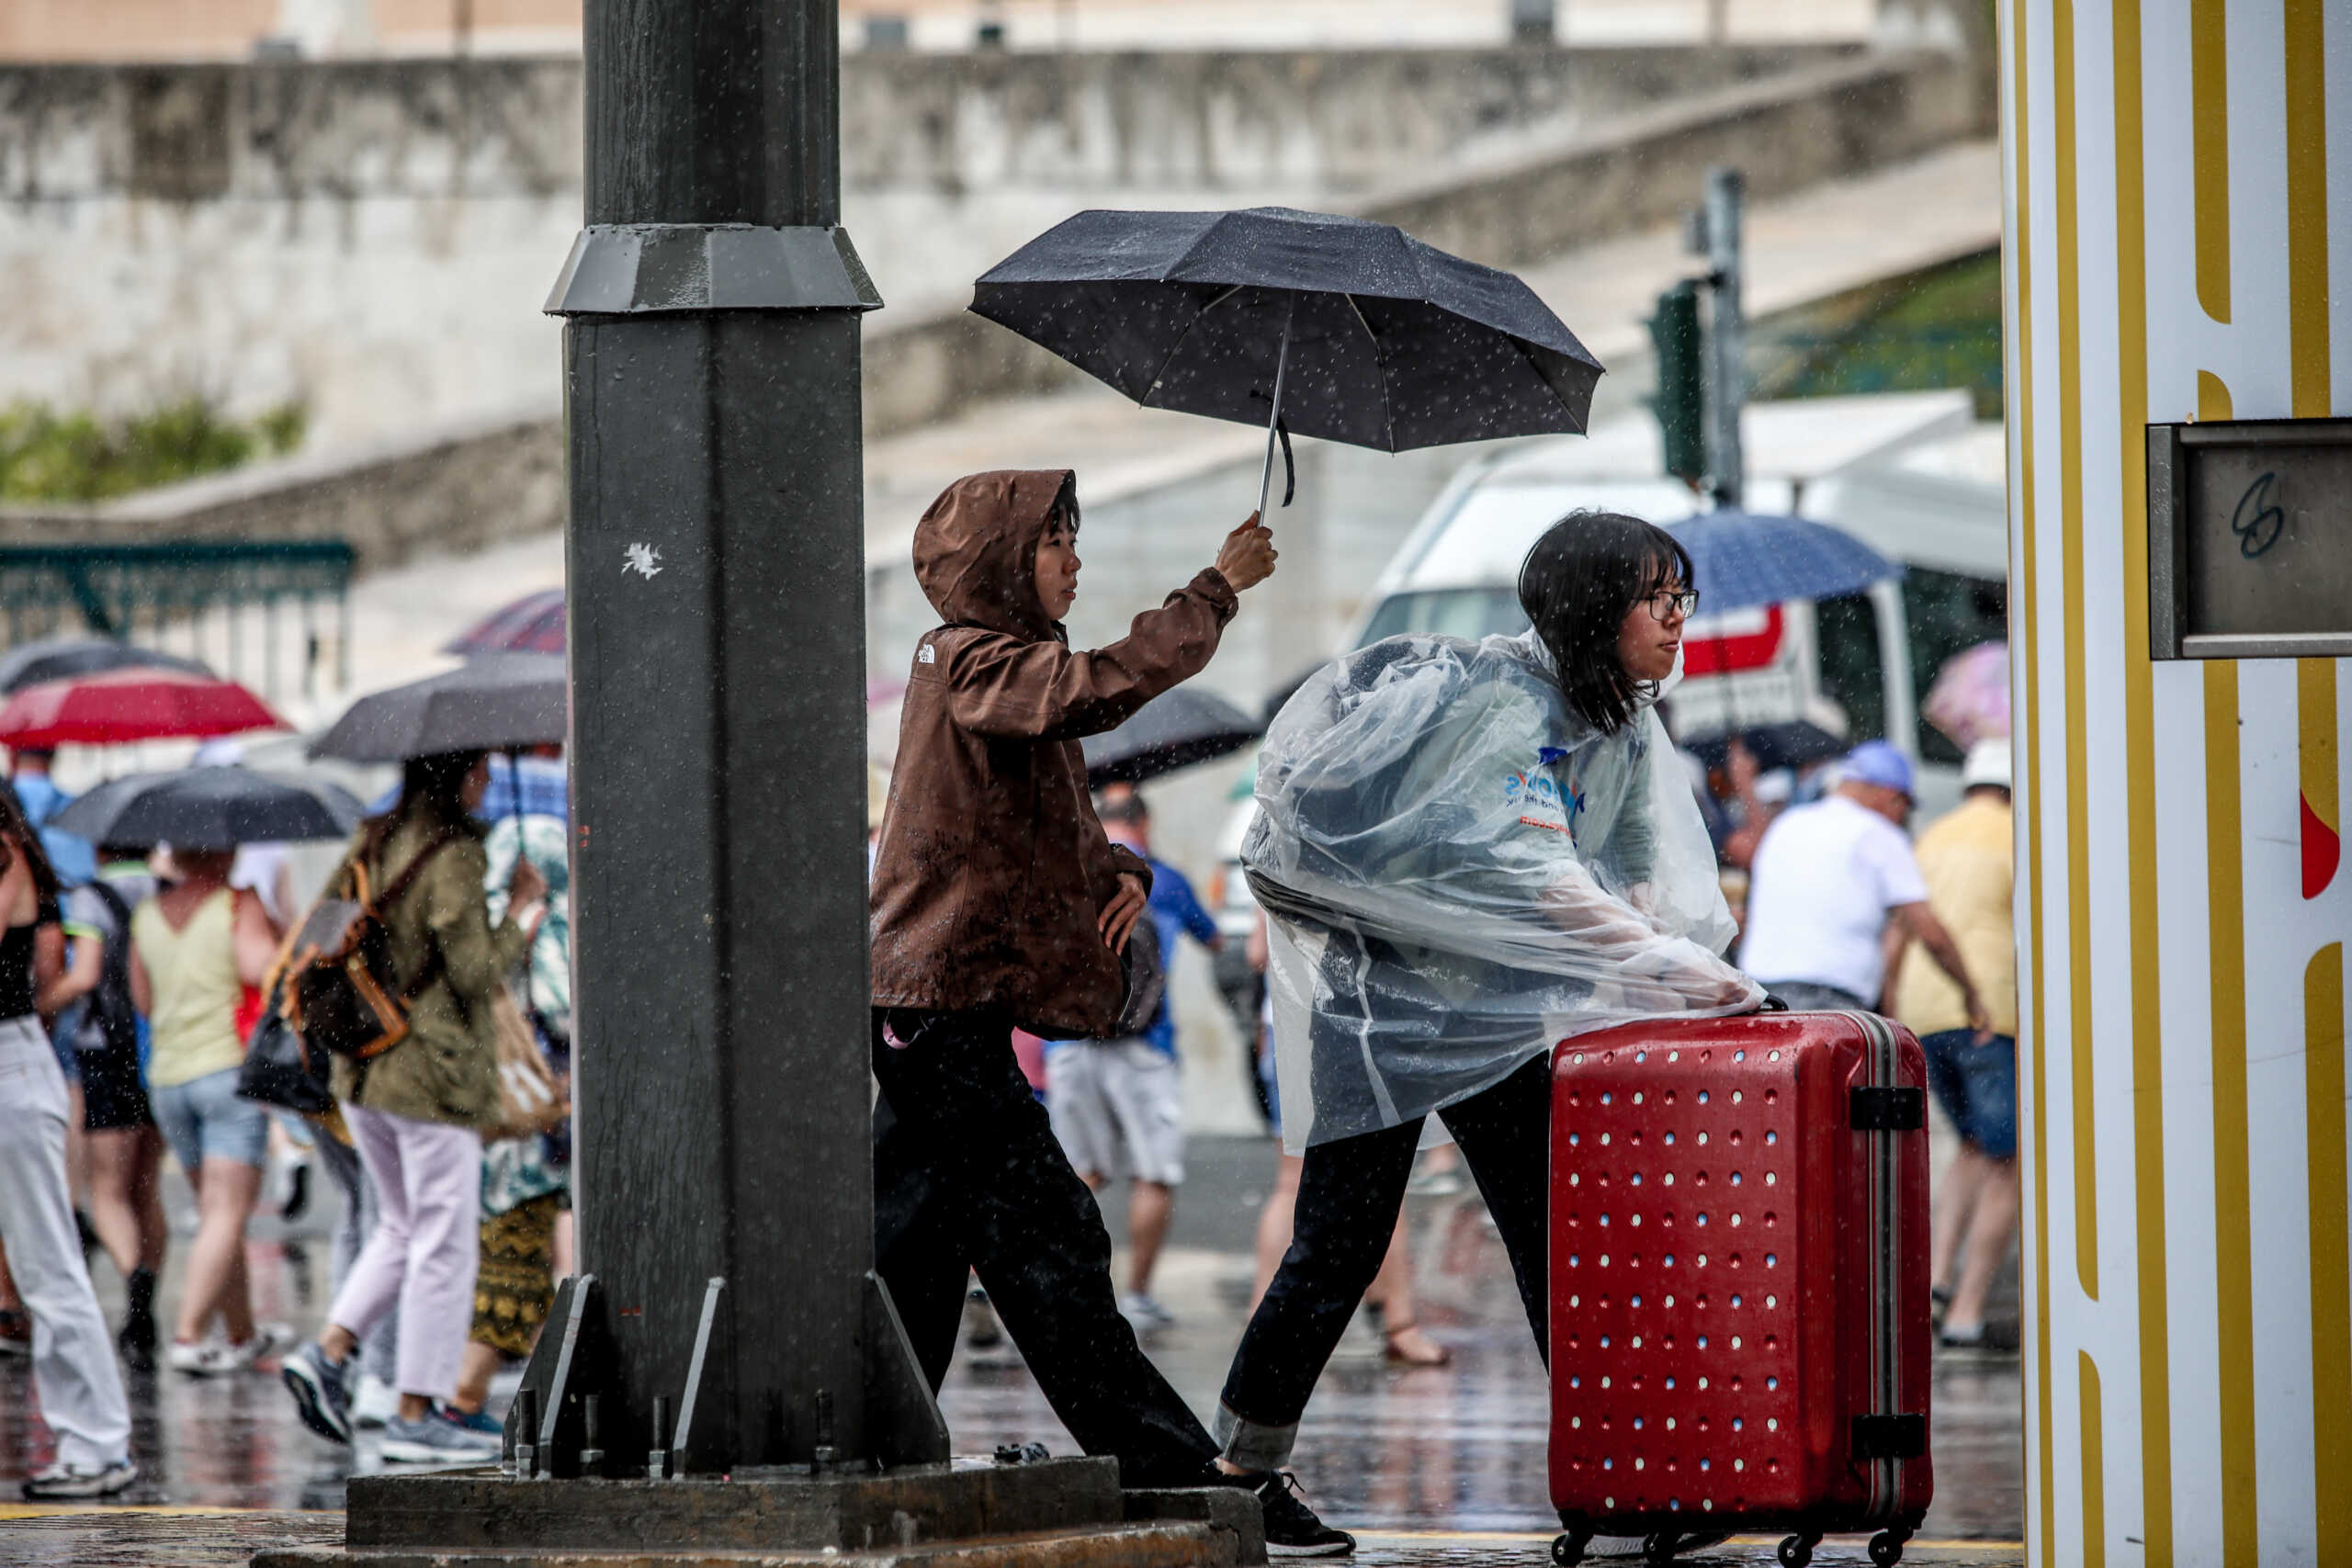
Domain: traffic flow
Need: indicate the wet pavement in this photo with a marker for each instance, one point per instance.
(1439, 1465)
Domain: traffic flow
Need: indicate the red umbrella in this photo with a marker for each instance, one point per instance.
(533, 624)
(129, 705)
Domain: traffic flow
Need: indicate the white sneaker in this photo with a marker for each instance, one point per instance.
(1139, 1309)
(201, 1359)
(270, 1341)
(375, 1403)
(72, 1481)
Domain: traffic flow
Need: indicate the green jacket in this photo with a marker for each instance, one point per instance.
(447, 1070)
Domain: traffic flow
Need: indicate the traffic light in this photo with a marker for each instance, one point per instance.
(1682, 381)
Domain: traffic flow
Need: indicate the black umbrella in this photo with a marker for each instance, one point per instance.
(208, 808)
(1329, 326)
(1795, 744)
(61, 657)
(1173, 730)
(499, 702)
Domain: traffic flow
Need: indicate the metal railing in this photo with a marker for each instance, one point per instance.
(212, 599)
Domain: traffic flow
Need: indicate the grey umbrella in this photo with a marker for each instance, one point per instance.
(59, 658)
(208, 808)
(499, 702)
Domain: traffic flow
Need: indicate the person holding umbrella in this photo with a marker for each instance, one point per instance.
(194, 948)
(996, 902)
(415, 1111)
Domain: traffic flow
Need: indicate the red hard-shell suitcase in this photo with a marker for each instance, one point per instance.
(1740, 1332)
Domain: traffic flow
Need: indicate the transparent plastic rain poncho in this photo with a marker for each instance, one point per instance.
(1460, 872)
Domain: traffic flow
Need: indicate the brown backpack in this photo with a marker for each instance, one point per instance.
(341, 992)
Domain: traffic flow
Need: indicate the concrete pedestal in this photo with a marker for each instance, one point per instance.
(1053, 1512)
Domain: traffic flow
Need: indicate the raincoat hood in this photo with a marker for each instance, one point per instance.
(975, 550)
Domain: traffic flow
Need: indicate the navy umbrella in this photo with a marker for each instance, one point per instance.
(1329, 326)
(208, 808)
(1745, 558)
(1173, 730)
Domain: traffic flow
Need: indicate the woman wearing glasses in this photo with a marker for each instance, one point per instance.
(1468, 851)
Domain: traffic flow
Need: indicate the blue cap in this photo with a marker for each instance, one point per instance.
(1878, 763)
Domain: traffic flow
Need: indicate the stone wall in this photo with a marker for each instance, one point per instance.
(375, 238)
(1614, 178)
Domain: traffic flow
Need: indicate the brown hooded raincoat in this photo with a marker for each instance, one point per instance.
(992, 869)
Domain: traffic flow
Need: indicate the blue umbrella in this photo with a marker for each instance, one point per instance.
(1744, 558)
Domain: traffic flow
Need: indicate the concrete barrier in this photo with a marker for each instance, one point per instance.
(458, 485)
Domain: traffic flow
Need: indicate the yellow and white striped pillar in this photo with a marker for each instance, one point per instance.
(2179, 246)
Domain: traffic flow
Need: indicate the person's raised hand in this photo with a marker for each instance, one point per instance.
(1247, 557)
(525, 886)
(1119, 916)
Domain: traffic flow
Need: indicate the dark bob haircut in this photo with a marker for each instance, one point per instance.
(1577, 584)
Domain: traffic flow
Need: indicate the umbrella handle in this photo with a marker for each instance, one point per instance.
(1274, 423)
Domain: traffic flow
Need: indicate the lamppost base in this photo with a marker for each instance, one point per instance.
(966, 1513)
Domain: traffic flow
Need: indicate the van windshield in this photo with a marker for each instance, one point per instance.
(1468, 613)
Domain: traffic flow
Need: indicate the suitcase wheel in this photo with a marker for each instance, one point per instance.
(1796, 1551)
(1658, 1550)
(1886, 1547)
(1568, 1550)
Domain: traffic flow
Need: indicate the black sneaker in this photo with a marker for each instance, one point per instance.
(138, 1335)
(1292, 1528)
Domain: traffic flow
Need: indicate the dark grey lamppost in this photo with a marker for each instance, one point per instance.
(718, 670)
(726, 1334)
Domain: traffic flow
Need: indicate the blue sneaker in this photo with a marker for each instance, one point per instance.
(481, 1421)
(321, 1390)
(440, 1437)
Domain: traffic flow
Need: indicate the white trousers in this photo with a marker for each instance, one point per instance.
(74, 1370)
(425, 1248)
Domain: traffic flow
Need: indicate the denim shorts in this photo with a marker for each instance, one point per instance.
(206, 1118)
(1977, 1087)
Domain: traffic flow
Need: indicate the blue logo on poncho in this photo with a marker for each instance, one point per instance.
(1551, 754)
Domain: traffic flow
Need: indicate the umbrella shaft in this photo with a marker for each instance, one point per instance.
(1274, 420)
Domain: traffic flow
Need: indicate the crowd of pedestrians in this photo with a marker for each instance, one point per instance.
(1523, 785)
(127, 1003)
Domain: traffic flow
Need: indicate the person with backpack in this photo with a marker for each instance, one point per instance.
(415, 1097)
(101, 1023)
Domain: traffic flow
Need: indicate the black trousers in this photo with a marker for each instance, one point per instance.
(967, 1175)
(1349, 1192)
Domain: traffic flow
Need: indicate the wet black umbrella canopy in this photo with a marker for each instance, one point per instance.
(1391, 344)
(1172, 731)
(209, 808)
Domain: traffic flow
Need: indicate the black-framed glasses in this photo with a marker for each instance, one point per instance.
(1665, 604)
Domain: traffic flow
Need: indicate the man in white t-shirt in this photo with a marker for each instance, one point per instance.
(1828, 880)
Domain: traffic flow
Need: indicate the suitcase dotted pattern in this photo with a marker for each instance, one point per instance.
(1673, 1325)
